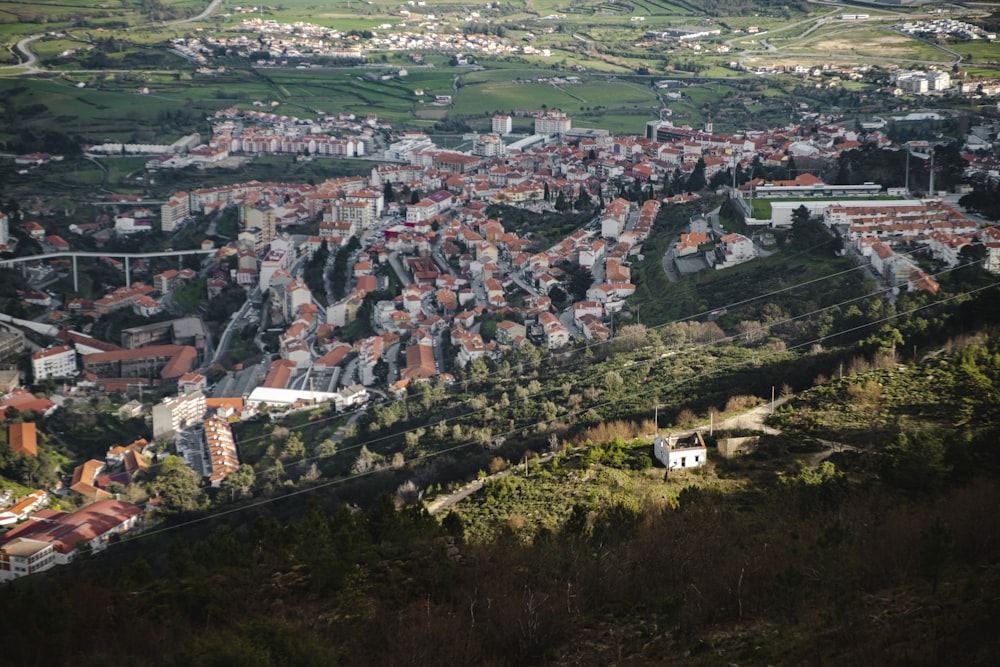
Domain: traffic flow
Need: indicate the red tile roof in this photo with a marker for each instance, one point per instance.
(23, 439)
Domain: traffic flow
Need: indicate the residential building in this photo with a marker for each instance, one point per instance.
(22, 556)
(153, 364)
(175, 413)
(11, 342)
(991, 239)
(55, 362)
(9, 379)
(420, 363)
(84, 480)
(734, 249)
(222, 454)
(174, 212)
(502, 124)
(489, 145)
(23, 508)
(680, 452)
(90, 527)
(553, 122)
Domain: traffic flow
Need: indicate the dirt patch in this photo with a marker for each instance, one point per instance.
(232, 162)
(846, 44)
(431, 114)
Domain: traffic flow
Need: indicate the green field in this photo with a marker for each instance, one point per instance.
(119, 53)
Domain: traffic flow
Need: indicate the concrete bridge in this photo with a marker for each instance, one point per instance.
(127, 256)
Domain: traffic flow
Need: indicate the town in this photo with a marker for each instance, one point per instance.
(435, 286)
(638, 332)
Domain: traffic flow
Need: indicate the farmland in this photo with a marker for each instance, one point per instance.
(97, 61)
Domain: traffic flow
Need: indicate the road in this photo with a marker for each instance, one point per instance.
(444, 502)
(30, 66)
(227, 334)
(814, 23)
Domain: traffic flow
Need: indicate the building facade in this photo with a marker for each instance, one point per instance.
(56, 362)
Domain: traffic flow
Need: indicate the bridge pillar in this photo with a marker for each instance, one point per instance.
(76, 280)
(128, 273)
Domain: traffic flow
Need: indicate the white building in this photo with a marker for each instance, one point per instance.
(177, 412)
(175, 211)
(274, 261)
(56, 362)
(554, 122)
(991, 239)
(502, 124)
(23, 556)
(4, 228)
(734, 249)
(489, 145)
(923, 82)
(680, 452)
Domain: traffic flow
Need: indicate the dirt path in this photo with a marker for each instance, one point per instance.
(751, 419)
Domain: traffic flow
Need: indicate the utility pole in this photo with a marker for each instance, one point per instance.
(931, 188)
(907, 184)
(772, 399)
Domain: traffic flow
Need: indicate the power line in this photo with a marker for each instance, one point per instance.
(641, 392)
(555, 389)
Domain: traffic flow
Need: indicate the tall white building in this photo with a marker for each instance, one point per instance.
(553, 122)
(923, 82)
(502, 124)
(4, 228)
(178, 412)
(175, 211)
(489, 145)
(56, 362)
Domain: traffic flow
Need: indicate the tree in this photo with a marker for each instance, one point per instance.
(326, 449)
(561, 203)
(630, 337)
(178, 485)
(239, 482)
(696, 181)
(937, 550)
(478, 370)
(613, 382)
(558, 295)
(294, 449)
(365, 462)
(916, 463)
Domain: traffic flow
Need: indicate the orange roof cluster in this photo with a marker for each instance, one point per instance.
(221, 448)
(64, 531)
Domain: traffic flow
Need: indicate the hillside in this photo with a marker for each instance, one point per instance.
(885, 556)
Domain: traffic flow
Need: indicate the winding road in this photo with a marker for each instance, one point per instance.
(30, 63)
(770, 50)
(27, 66)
